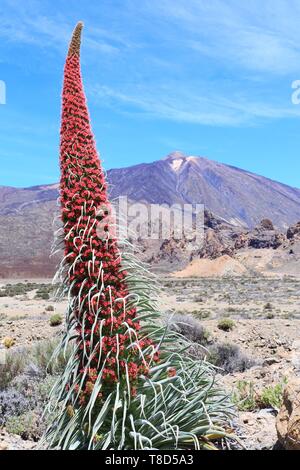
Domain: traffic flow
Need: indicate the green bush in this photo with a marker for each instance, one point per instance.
(56, 320)
(226, 324)
(42, 357)
(272, 397)
(42, 296)
(15, 363)
(247, 399)
(244, 396)
(28, 426)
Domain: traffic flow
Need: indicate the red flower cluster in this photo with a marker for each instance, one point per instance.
(106, 323)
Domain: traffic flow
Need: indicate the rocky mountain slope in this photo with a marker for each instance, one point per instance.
(238, 196)
(235, 202)
(229, 250)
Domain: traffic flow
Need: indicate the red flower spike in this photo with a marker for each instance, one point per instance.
(95, 275)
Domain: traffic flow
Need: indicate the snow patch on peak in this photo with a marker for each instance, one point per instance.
(192, 159)
(175, 155)
(176, 164)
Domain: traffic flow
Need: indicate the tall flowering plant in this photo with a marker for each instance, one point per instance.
(105, 321)
(124, 386)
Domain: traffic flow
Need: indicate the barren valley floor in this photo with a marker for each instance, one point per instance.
(249, 327)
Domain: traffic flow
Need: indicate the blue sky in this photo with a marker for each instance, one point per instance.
(211, 78)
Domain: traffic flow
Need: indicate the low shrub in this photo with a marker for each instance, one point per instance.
(226, 324)
(246, 399)
(37, 359)
(244, 396)
(27, 391)
(8, 342)
(202, 314)
(226, 356)
(12, 403)
(56, 320)
(198, 299)
(49, 308)
(190, 328)
(272, 397)
(11, 290)
(28, 425)
(270, 316)
(229, 357)
(42, 296)
(42, 357)
(15, 363)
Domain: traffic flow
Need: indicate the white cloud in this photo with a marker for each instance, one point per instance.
(261, 36)
(173, 103)
(27, 23)
(208, 62)
(253, 47)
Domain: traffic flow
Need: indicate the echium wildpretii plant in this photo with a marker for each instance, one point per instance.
(125, 385)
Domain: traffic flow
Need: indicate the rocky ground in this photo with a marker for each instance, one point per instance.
(26, 309)
(263, 337)
(265, 329)
(14, 442)
(262, 249)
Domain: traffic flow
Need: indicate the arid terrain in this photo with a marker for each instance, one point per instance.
(235, 295)
(248, 325)
(235, 202)
(262, 343)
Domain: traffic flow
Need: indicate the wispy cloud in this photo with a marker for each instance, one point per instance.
(28, 23)
(252, 49)
(195, 107)
(213, 63)
(261, 36)
(206, 63)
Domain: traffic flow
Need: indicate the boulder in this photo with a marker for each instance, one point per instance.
(288, 419)
(293, 232)
(214, 246)
(267, 224)
(262, 236)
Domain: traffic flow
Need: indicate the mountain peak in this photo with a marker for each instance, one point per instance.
(176, 155)
(177, 160)
(228, 192)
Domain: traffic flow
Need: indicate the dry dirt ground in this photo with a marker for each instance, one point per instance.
(263, 262)
(266, 314)
(26, 316)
